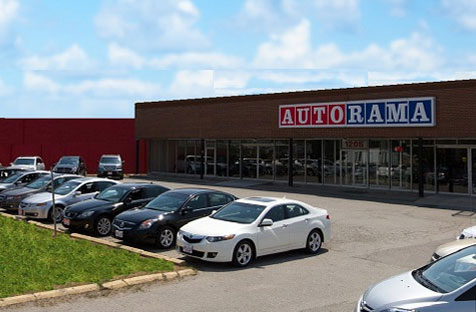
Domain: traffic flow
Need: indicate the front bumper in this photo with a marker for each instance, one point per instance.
(78, 223)
(110, 173)
(10, 204)
(205, 250)
(34, 212)
(147, 236)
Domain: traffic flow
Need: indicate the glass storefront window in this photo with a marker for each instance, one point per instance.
(331, 164)
(234, 158)
(181, 153)
(281, 161)
(299, 161)
(428, 162)
(452, 170)
(401, 164)
(379, 163)
(222, 158)
(249, 150)
(266, 157)
(314, 161)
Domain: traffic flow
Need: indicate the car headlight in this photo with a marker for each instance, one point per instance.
(41, 204)
(87, 213)
(398, 310)
(213, 239)
(74, 169)
(147, 223)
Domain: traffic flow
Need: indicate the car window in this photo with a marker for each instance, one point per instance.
(294, 210)
(275, 214)
(469, 295)
(150, 192)
(87, 188)
(39, 161)
(198, 201)
(218, 199)
(101, 186)
(29, 177)
(136, 194)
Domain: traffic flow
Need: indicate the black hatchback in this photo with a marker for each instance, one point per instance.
(159, 221)
(96, 214)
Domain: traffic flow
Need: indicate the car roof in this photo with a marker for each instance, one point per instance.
(192, 191)
(131, 185)
(75, 156)
(92, 179)
(27, 157)
(267, 201)
(111, 155)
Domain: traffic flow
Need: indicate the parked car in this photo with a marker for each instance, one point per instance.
(6, 172)
(448, 284)
(72, 165)
(468, 233)
(39, 206)
(159, 221)
(111, 166)
(29, 162)
(10, 199)
(96, 214)
(20, 179)
(255, 226)
(451, 247)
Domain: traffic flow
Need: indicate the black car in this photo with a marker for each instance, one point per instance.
(71, 164)
(159, 221)
(96, 214)
(10, 199)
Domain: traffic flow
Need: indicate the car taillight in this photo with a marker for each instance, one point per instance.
(328, 217)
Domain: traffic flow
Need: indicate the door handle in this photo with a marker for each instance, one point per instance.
(307, 219)
(285, 225)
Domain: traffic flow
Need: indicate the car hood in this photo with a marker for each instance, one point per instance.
(22, 167)
(20, 191)
(139, 215)
(4, 186)
(90, 204)
(398, 291)
(469, 232)
(451, 247)
(41, 198)
(207, 226)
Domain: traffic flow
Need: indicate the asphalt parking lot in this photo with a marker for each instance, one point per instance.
(371, 241)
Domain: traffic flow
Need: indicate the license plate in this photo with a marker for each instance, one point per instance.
(109, 172)
(66, 221)
(119, 234)
(187, 248)
(19, 211)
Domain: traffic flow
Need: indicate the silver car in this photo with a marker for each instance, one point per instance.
(20, 178)
(446, 285)
(29, 162)
(39, 206)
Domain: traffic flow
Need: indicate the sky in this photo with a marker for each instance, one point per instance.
(96, 58)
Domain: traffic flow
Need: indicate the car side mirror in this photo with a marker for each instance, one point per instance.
(266, 222)
(77, 193)
(128, 200)
(185, 210)
(214, 211)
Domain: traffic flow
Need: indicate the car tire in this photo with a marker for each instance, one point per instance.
(103, 226)
(59, 214)
(243, 253)
(314, 241)
(166, 237)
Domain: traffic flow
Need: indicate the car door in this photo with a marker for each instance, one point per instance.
(274, 238)
(298, 224)
(193, 208)
(133, 200)
(87, 191)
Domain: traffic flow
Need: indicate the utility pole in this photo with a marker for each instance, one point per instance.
(53, 201)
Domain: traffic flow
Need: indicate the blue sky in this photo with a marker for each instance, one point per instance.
(94, 58)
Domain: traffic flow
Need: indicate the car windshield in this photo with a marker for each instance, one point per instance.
(12, 178)
(67, 187)
(24, 161)
(110, 160)
(68, 161)
(239, 212)
(39, 183)
(169, 201)
(112, 194)
(449, 273)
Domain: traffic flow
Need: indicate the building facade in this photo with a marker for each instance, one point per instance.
(414, 137)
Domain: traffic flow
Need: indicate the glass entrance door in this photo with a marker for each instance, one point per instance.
(354, 167)
(473, 171)
(210, 158)
(452, 170)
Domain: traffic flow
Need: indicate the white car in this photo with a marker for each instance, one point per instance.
(28, 162)
(255, 226)
(468, 233)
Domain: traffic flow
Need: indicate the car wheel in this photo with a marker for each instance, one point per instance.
(59, 214)
(243, 254)
(314, 242)
(166, 237)
(103, 226)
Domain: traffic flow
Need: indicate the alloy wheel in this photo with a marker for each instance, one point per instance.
(104, 226)
(244, 254)
(166, 238)
(314, 242)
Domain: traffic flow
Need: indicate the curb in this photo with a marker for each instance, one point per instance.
(76, 290)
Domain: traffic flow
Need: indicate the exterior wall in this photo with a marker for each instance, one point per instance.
(257, 116)
(89, 138)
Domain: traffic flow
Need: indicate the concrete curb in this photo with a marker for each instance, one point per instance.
(76, 290)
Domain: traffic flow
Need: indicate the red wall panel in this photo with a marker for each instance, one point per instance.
(89, 138)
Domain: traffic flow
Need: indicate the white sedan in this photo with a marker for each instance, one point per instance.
(255, 226)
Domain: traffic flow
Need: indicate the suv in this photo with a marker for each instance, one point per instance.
(20, 179)
(28, 162)
(71, 164)
(111, 166)
(96, 214)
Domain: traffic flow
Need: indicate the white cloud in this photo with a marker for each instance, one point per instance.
(347, 78)
(397, 7)
(124, 57)
(40, 83)
(463, 11)
(8, 13)
(151, 24)
(188, 83)
(73, 58)
(231, 79)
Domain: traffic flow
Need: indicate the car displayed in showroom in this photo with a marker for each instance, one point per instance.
(255, 226)
(468, 233)
(96, 214)
(20, 179)
(10, 199)
(72, 165)
(29, 162)
(159, 220)
(111, 166)
(451, 247)
(448, 284)
(39, 206)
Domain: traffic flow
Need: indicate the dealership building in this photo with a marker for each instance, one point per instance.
(414, 137)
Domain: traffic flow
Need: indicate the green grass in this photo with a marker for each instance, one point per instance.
(31, 260)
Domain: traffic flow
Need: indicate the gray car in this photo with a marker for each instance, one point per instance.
(72, 165)
(111, 166)
(10, 199)
(39, 206)
(446, 285)
(20, 178)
